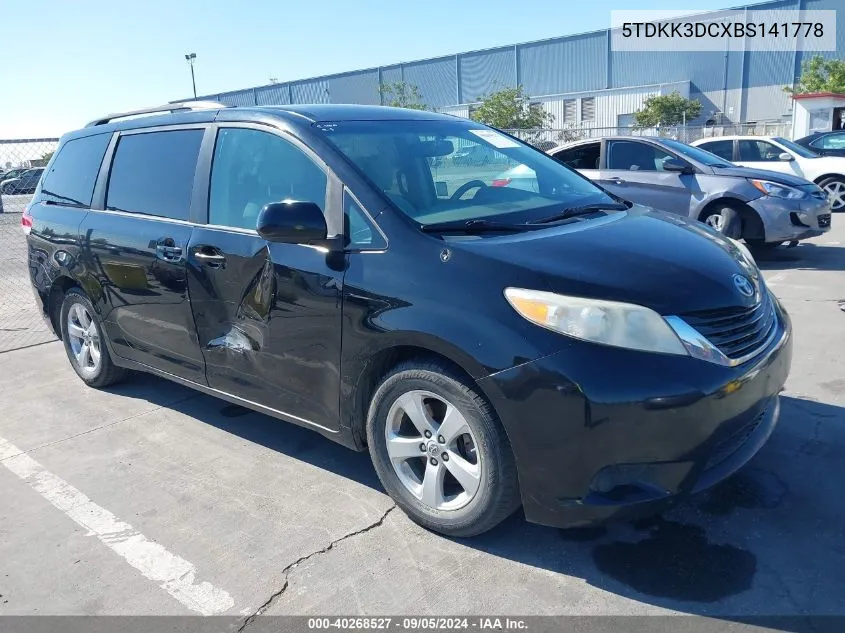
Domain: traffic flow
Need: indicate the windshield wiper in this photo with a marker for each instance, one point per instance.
(720, 165)
(571, 212)
(473, 226)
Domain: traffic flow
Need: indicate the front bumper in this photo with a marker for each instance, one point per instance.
(784, 220)
(601, 433)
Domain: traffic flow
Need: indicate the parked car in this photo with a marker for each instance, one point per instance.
(490, 347)
(24, 183)
(12, 173)
(825, 143)
(473, 155)
(762, 207)
(779, 154)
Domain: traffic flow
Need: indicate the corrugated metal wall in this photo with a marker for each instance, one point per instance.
(574, 64)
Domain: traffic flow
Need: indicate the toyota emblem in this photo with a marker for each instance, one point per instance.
(745, 287)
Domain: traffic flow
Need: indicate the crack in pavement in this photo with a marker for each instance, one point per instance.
(286, 571)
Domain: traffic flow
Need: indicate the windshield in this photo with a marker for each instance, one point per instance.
(450, 171)
(696, 153)
(798, 149)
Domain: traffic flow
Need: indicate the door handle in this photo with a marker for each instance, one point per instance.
(168, 251)
(209, 256)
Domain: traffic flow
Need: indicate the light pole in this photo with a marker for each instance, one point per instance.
(190, 57)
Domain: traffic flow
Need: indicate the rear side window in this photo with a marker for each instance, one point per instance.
(72, 175)
(581, 157)
(153, 173)
(722, 149)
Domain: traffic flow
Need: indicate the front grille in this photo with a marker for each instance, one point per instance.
(731, 444)
(736, 332)
(824, 220)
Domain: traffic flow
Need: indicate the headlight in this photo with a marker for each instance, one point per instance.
(607, 322)
(777, 191)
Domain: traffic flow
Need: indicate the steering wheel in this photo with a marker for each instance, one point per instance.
(472, 184)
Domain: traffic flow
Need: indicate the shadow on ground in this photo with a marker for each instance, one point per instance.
(805, 256)
(774, 528)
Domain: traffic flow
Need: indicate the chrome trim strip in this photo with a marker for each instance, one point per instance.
(295, 419)
(700, 347)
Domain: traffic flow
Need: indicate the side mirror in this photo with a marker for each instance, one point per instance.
(676, 164)
(292, 222)
(786, 156)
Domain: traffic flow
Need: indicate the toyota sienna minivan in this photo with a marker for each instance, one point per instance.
(333, 267)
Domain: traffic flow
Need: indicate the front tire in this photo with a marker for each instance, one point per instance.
(834, 187)
(725, 220)
(440, 451)
(84, 341)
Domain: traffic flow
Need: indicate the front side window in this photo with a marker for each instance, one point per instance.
(252, 168)
(759, 151)
(832, 141)
(705, 156)
(153, 173)
(635, 156)
(72, 175)
(442, 170)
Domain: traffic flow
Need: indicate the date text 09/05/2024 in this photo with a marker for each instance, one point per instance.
(417, 623)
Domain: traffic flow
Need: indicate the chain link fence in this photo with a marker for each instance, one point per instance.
(549, 138)
(21, 163)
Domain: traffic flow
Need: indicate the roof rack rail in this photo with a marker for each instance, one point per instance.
(168, 107)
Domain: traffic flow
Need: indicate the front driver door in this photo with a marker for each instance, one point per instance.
(634, 171)
(268, 315)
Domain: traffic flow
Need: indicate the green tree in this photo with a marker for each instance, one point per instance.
(820, 75)
(671, 109)
(510, 109)
(400, 94)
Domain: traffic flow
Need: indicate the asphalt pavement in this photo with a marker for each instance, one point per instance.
(149, 498)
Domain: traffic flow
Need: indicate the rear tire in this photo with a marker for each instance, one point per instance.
(448, 463)
(725, 220)
(85, 344)
(834, 187)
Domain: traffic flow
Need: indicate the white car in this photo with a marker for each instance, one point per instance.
(779, 154)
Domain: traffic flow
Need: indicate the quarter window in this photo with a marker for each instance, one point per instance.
(252, 168)
(72, 175)
(153, 173)
(360, 231)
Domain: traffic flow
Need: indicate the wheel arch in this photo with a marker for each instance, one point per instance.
(56, 295)
(752, 225)
(824, 177)
(382, 362)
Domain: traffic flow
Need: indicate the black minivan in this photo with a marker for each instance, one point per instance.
(334, 267)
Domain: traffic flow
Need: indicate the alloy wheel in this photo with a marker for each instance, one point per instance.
(715, 221)
(433, 450)
(835, 191)
(84, 339)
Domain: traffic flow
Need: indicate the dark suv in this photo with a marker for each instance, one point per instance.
(491, 347)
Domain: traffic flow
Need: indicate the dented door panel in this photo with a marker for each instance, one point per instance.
(268, 319)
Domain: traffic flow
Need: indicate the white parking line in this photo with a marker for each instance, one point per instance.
(775, 279)
(174, 574)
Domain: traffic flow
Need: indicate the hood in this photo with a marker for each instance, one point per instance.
(665, 262)
(761, 174)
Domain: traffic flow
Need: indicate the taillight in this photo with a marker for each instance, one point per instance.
(501, 182)
(26, 221)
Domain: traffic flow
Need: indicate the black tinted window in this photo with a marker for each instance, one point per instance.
(153, 173)
(722, 149)
(759, 151)
(635, 156)
(581, 157)
(72, 175)
(252, 168)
